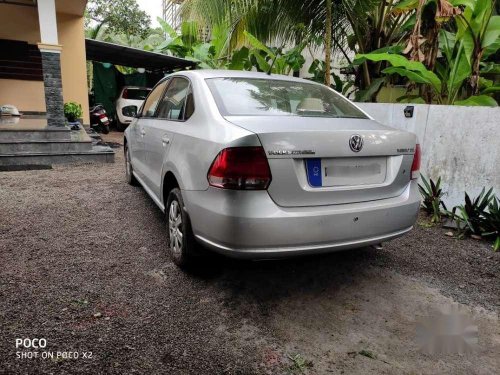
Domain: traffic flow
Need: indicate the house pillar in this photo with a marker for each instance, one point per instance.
(51, 63)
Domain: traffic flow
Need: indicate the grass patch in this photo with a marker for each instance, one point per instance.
(299, 364)
(368, 354)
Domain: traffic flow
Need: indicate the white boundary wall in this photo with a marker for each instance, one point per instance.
(460, 144)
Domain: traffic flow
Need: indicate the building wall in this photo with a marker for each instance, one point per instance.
(460, 144)
(25, 95)
(73, 61)
(21, 23)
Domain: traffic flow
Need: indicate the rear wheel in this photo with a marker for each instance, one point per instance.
(180, 238)
(129, 175)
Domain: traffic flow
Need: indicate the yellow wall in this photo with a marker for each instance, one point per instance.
(21, 23)
(73, 61)
(25, 95)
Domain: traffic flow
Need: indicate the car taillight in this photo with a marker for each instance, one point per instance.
(240, 168)
(415, 167)
(125, 94)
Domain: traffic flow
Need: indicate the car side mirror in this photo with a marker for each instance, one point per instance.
(130, 111)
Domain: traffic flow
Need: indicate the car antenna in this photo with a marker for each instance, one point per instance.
(274, 60)
(272, 64)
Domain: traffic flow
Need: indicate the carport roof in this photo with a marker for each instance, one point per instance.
(133, 57)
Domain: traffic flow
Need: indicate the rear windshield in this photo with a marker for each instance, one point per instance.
(268, 97)
(136, 94)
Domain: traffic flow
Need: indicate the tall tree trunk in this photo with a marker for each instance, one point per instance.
(328, 43)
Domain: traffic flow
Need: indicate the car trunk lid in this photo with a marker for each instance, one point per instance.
(315, 161)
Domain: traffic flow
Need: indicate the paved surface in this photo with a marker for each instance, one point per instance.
(83, 265)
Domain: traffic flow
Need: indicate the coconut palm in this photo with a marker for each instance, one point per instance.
(271, 21)
(360, 26)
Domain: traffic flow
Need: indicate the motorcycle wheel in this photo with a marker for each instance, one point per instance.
(105, 129)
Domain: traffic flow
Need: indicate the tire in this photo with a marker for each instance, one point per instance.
(180, 238)
(105, 129)
(129, 175)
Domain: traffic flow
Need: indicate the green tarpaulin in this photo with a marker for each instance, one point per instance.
(108, 82)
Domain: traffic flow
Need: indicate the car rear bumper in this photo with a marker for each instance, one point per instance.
(248, 224)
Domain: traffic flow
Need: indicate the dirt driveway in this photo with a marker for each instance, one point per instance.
(83, 265)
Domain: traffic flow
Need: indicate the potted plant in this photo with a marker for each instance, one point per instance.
(72, 112)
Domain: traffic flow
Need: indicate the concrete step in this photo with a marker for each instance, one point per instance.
(52, 134)
(97, 154)
(44, 146)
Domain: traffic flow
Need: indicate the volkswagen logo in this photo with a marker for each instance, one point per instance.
(356, 142)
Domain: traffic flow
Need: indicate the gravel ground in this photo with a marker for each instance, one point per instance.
(83, 264)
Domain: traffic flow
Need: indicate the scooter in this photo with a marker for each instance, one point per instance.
(99, 120)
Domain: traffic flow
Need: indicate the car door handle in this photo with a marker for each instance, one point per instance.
(143, 132)
(165, 140)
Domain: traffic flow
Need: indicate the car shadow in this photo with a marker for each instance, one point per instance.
(270, 280)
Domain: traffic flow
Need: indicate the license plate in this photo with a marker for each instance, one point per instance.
(104, 119)
(346, 171)
(314, 172)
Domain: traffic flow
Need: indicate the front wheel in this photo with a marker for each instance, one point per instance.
(180, 238)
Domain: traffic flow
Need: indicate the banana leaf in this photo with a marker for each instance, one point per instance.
(414, 70)
(257, 44)
(491, 89)
(492, 32)
(366, 95)
(479, 100)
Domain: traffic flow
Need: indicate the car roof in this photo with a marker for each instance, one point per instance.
(222, 73)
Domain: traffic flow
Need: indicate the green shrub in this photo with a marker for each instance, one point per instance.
(431, 193)
(72, 111)
(491, 225)
(471, 216)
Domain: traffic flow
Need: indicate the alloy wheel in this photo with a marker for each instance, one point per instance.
(175, 227)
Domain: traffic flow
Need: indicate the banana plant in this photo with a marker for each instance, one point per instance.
(430, 16)
(480, 31)
(477, 37)
(415, 71)
(267, 59)
(446, 88)
(187, 44)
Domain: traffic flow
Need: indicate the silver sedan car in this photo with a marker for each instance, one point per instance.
(262, 166)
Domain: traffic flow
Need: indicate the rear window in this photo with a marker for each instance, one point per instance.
(136, 94)
(268, 97)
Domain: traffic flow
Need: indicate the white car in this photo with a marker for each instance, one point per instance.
(128, 103)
